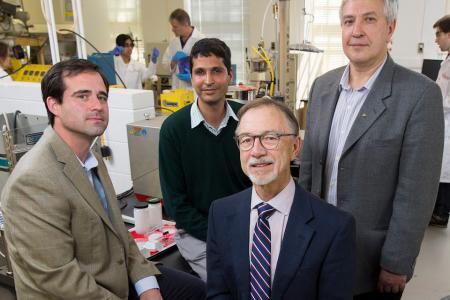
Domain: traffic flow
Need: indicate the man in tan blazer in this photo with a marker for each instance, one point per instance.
(63, 227)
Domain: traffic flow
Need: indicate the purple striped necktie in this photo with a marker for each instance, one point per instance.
(260, 283)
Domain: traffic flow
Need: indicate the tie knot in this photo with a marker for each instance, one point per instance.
(265, 210)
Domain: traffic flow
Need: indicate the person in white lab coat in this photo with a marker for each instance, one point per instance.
(442, 208)
(179, 49)
(4, 62)
(132, 73)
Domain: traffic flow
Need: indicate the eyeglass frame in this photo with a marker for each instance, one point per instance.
(254, 137)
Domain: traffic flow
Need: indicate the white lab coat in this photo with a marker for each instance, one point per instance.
(134, 73)
(174, 46)
(443, 81)
(7, 78)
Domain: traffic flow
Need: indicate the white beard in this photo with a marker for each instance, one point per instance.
(257, 179)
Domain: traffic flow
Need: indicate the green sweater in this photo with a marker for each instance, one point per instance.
(196, 168)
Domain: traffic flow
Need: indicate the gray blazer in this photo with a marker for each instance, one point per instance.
(389, 169)
(62, 243)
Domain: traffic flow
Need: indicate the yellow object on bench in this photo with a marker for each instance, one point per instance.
(175, 99)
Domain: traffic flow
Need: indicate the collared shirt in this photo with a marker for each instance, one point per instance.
(197, 118)
(146, 283)
(347, 109)
(282, 203)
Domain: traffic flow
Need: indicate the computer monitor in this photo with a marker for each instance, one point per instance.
(430, 68)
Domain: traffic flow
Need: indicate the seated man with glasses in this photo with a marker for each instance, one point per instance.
(275, 240)
(132, 73)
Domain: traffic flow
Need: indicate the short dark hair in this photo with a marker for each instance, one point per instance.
(52, 84)
(122, 38)
(181, 16)
(267, 101)
(212, 46)
(4, 53)
(443, 24)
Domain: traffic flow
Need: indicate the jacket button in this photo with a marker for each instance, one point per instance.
(120, 262)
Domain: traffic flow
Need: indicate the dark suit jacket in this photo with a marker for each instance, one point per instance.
(316, 258)
(389, 169)
(61, 242)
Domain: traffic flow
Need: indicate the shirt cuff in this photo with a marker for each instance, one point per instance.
(146, 284)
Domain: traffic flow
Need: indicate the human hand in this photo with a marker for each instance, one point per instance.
(117, 50)
(179, 55)
(390, 282)
(184, 76)
(155, 55)
(152, 294)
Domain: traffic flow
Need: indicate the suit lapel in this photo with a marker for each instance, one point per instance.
(75, 173)
(330, 97)
(296, 240)
(373, 107)
(240, 224)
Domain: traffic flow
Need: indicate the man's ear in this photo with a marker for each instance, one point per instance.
(53, 106)
(230, 79)
(296, 149)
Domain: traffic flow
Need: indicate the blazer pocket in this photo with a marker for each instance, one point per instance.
(390, 142)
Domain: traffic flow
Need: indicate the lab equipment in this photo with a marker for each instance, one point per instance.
(143, 148)
(141, 218)
(173, 100)
(106, 63)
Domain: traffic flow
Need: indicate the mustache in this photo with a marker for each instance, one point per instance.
(95, 115)
(262, 160)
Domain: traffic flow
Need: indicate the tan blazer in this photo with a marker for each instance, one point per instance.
(61, 242)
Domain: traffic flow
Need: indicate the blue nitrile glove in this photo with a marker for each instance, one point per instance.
(184, 76)
(179, 55)
(117, 50)
(155, 55)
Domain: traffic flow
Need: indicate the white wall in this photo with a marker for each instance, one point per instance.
(155, 19)
(414, 25)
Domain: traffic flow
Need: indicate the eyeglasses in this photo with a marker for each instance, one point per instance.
(269, 140)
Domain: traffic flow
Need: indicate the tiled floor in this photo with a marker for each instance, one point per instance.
(431, 280)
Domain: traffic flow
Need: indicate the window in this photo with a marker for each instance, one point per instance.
(326, 32)
(226, 20)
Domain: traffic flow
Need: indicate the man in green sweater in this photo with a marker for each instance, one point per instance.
(198, 159)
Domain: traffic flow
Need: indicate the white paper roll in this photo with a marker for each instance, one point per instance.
(155, 215)
(142, 221)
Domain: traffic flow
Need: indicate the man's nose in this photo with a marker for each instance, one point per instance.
(258, 149)
(95, 103)
(357, 28)
(209, 78)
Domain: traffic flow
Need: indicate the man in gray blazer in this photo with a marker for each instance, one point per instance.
(63, 226)
(373, 147)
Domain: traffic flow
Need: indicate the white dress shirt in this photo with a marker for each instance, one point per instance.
(197, 118)
(282, 203)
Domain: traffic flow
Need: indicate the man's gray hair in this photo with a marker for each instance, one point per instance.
(267, 101)
(390, 9)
